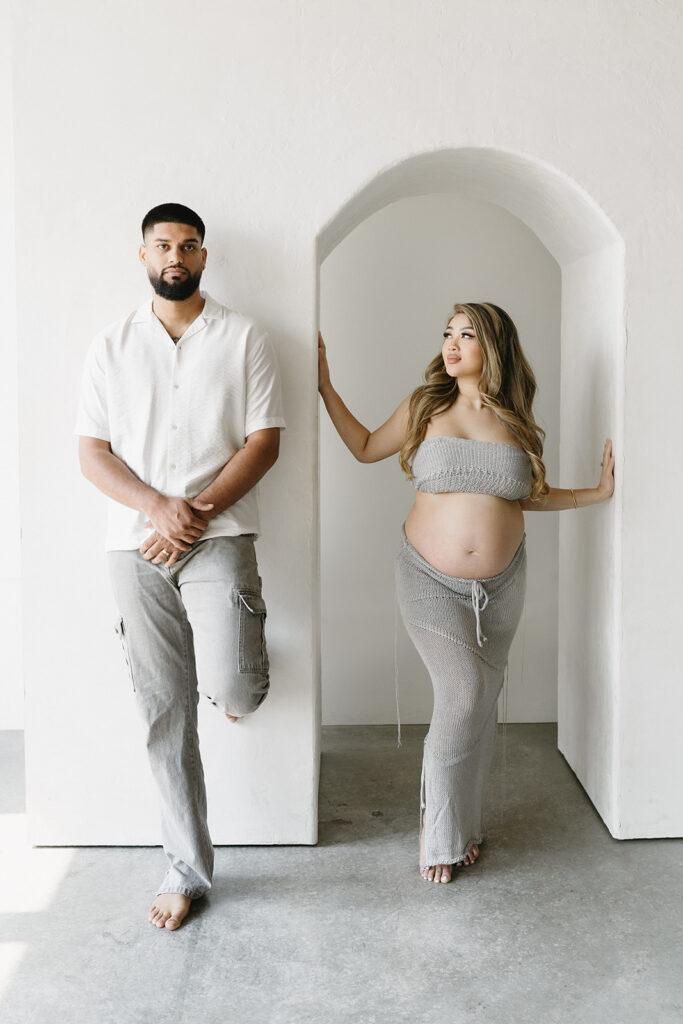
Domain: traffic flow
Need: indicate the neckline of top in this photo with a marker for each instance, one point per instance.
(472, 440)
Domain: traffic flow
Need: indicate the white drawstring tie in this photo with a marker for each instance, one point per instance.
(479, 601)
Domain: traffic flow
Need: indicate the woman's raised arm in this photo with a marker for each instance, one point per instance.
(558, 498)
(364, 444)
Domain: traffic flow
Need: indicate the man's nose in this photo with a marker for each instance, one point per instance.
(175, 256)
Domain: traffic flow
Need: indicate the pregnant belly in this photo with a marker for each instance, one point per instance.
(469, 535)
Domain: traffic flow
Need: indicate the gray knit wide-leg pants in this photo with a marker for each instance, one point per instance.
(462, 630)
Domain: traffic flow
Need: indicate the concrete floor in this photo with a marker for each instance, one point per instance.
(557, 922)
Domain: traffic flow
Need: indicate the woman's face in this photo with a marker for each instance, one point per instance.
(462, 355)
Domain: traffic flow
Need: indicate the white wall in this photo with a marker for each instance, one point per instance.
(11, 685)
(385, 295)
(590, 670)
(272, 118)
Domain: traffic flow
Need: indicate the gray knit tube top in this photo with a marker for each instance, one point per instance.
(447, 463)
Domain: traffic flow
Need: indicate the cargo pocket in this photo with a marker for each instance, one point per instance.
(252, 656)
(120, 631)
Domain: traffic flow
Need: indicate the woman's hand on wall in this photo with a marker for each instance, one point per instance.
(559, 499)
(606, 485)
(323, 368)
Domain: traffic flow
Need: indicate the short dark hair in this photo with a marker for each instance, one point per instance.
(173, 213)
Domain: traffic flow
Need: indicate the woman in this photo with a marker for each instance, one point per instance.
(468, 440)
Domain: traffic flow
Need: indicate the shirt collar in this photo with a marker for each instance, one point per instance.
(212, 310)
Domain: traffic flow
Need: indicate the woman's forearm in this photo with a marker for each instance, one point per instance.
(366, 445)
(353, 434)
(558, 499)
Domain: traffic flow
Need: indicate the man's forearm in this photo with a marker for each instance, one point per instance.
(243, 471)
(114, 478)
(180, 520)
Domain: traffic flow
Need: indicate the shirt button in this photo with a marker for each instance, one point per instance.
(174, 426)
(176, 386)
(173, 465)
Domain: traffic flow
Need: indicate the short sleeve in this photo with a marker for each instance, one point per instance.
(92, 419)
(264, 397)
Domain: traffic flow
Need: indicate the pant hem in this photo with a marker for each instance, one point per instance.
(192, 894)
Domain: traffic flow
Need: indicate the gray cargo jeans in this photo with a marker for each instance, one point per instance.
(197, 627)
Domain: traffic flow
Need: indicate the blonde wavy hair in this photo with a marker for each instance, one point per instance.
(507, 386)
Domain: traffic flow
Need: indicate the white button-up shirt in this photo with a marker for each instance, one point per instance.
(175, 413)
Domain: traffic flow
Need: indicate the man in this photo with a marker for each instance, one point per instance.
(180, 417)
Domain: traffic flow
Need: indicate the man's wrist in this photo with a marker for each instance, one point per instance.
(208, 514)
(151, 503)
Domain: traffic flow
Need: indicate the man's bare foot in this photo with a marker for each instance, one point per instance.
(233, 718)
(443, 872)
(169, 910)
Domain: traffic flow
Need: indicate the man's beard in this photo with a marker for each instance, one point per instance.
(176, 291)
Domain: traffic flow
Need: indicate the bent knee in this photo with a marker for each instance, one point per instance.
(235, 678)
(240, 695)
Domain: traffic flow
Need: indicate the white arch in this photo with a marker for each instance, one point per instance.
(566, 219)
(590, 253)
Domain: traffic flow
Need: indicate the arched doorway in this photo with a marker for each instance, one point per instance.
(590, 256)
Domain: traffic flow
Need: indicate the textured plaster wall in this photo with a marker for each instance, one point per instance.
(272, 118)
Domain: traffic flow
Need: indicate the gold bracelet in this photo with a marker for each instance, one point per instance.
(571, 491)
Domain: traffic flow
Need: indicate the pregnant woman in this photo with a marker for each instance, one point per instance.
(468, 440)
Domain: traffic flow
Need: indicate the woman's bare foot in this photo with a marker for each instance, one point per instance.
(443, 872)
(470, 856)
(169, 910)
(437, 872)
